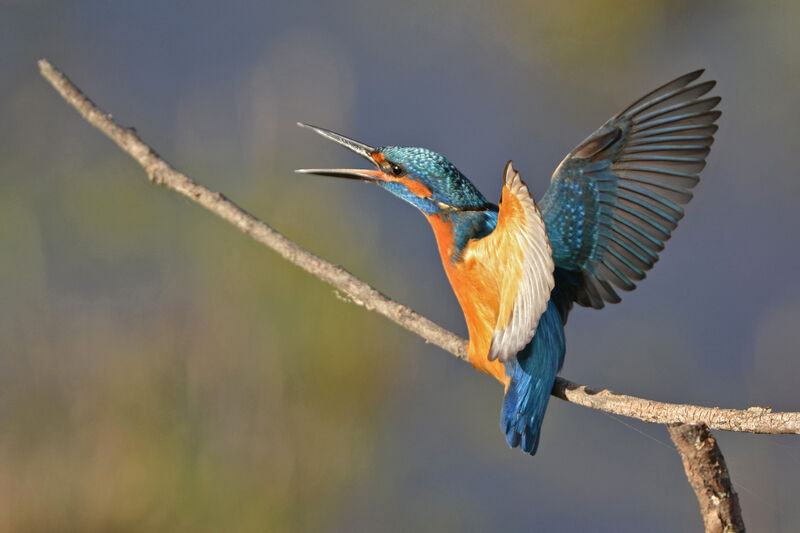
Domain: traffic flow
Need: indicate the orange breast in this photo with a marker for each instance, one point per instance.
(478, 293)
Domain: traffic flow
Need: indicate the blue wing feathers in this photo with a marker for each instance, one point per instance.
(616, 199)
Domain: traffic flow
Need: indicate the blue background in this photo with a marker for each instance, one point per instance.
(159, 371)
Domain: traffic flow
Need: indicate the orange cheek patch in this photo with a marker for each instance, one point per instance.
(378, 157)
(416, 187)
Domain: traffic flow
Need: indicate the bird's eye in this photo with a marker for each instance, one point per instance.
(396, 170)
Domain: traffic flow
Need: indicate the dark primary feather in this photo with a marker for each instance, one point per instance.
(616, 198)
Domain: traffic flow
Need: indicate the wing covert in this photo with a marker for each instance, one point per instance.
(521, 253)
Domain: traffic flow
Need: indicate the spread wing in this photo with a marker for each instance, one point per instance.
(615, 199)
(520, 254)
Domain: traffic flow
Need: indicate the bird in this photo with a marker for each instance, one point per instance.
(518, 267)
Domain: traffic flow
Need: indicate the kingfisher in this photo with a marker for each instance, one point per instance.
(517, 268)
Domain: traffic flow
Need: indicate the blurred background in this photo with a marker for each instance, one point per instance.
(159, 371)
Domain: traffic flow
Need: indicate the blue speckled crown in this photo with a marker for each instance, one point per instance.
(438, 174)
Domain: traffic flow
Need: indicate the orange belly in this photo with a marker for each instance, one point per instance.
(478, 293)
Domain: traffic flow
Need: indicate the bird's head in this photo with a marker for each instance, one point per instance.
(419, 176)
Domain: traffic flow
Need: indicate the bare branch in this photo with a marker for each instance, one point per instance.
(753, 420)
(708, 475)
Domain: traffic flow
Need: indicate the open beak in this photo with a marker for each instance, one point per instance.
(361, 149)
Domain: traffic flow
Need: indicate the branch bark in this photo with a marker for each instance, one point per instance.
(708, 475)
(752, 420)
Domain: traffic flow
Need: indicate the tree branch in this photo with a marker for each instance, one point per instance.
(708, 475)
(753, 420)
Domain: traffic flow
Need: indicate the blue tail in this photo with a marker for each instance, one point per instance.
(533, 373)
